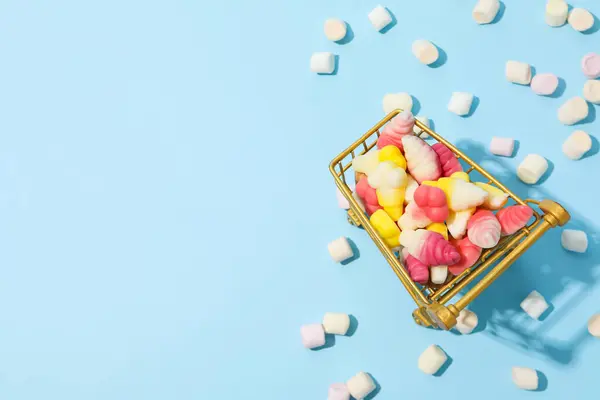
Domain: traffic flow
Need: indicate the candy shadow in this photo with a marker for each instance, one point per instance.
(594, 27)
(329, 342)
(353, 326)
(547, 174)
(560, 89)
(517, 146)
(444, 367)
(355, 251)
(500, 14)
(594, 150)
(542, 382)
(546, 312)
(374, 392)
(416, 105)
(591, 115)
(442, 58)
(474, 106)
(349, 35)
(391, 24)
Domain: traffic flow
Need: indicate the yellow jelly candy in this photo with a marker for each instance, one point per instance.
(393, 241)
(438, 227)
(395, 212)
(392, 201)
(394, 155)
(461, 175)
(384, 224)
(496, 198)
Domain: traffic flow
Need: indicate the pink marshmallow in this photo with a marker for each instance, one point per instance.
(502, 146)
(418, 271)
(342, 201)
(544, 84)
(469, 254)
(338, 391)
(590, 65)
(368, 195)
(432, 201)
(313, 335)
(448, 160)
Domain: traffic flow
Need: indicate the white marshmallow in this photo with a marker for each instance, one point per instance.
(573, 111)
(336, 323)
(518, 72)
(581, 19)
(366, 163)
(502, 146)
(460, 103)
(438, 274)
(556, 12)
(591, 91)
(360, 385)
(532, 168)
(380, 17)
(340, 249)
(432, 359)
(322, 63)
(342, 201)
(466, 321)
(574, 240)
(594, 325)
(425, 121)
(534, 305)
(485, 11)
(425, 51)
(392, 101)
(525, 378)
(335, 29)
(577, 145)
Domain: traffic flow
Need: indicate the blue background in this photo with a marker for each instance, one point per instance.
(166, 205)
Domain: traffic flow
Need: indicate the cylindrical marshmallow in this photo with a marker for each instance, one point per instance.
(534, 305)
(432, 359)
(336, 323)
(577, 145)
(392, 101)
(485, 11)
(335, 29)
(532, 168)
(574, 110)
(340, 250)
(438, 274)
(338, 391)
(460, 103)
(525, 378)
(360, 385)
(342, 201)
(425, 51)
(466, 322)
(574, 240)
(591, 91)
(518, 72)
(581, 19)
(594, 325)
(544, 84)
(590, 65)
(502, 146)
(313, 335)
(425, 121)
(556, 12)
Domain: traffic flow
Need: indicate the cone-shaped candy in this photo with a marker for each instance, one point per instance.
(461, 195)
(461, 175)
(429, 247)
(496, 198)
(368, 195)
(513, 218)
(448, 160)
(394, 155)
(469, 254)
(423, 163)
(411, 186)
(392, 201)
(483, 229)
(414, 217)
(400, 126)
(418, 271)
(457, 222)
(432, 201)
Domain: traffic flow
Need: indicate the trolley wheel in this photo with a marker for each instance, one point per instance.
(352, 218)
(561, 216)
(421, 318)
(441, 316)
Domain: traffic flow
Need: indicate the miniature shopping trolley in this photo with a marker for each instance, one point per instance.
(433, 301)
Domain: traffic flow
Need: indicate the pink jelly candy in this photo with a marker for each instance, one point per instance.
(469, 254)
(422, 161)
(368, 195)
(401, 125)
(429, 247)
(432, 201)
(448, 160)
(418, 271)
(513, 218)
(483, 229)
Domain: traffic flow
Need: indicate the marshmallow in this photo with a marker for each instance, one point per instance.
(534, 305)
(574, 240)
(525, 378)
(532, 168)
(573, 111)
(335, 29)
(380, 17)
(594, 325)
(591, 91)
(432, 359)
(502, 146)
(366, 163)
(590, 65)
(392, 101)
(518, 72)
(460, 103)
(466, 322)
(360, 385)
(313, 335)
(485, 11)
(577, 145)
(425, 121)
(336, 323)
(338, 391)
(544, 84)
(342, 201)
(340, 249)
(581, 19)
(439, 274)
(425, 51)
(556, 12)
(322, 63)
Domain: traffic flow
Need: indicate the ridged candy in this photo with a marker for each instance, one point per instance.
(448, 160)
(368, 195)
(399, 126)
(513, 218)
(422, 161)
(483, 229)
(432, 201)
(469, 254)
(429, 247)
(418, 271)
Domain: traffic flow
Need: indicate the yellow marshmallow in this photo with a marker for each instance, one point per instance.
(461, 175)
(394, 155)
(496, 198)
(438, 227)
(384, 225)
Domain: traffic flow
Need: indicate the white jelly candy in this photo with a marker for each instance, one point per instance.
(518, 72)
(322, 63)
(439, 274)
(425, 121)
(336, 323)
(335, 29)
(466, 322)
(360, 385)
(573, 111)
(581, 19)
(366, 163)
(594, 325)
(502, 146)
(577, 145)
(591, 91)
(574, 240)
(340, 249)
(411, 187)
(556, 12)
(392, 101)
(460, 103)
(380, 17)
(532, 168)
(525, 378)
(534, 305)
(485, 11)
(425, 51)
(432, 359)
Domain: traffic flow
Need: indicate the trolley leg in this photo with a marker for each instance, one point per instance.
(353, 219)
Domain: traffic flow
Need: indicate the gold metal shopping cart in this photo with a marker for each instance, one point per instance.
(433, 308)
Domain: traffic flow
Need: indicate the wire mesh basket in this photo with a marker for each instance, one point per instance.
(433, 301)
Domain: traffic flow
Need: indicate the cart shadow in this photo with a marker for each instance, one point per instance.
(565, 279)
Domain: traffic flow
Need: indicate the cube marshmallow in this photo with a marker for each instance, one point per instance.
(313, 335)
(525, 378)
(340, 250)
(432, 359)
(460, 103)
(466, 322)
(322, 63)
(574, 240)
(534, 305)
(338, 391)
(360, 385)
(594, 325)
(380, 17)
(336, 323)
